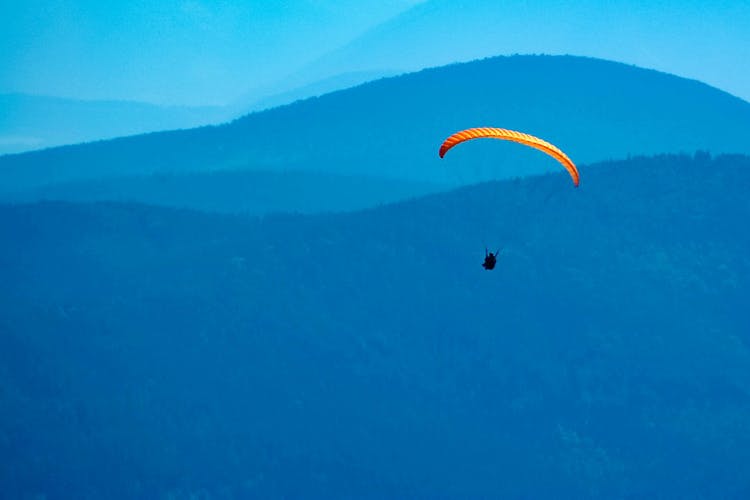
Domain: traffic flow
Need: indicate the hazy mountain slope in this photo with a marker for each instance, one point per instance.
(392, 127)
(149, 352)
(700, 39)
(248, 192)
(34, 122)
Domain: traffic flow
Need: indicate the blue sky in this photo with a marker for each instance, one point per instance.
(214, 52)
(708, 40)
(171, 51)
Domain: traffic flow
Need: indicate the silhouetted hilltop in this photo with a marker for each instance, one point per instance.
(368, 354)
(593, 109)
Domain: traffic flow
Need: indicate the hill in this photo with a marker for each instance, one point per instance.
(153, 352)
(30, 122)
(593, 109)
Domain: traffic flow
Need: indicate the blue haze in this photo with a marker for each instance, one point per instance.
(292, 304)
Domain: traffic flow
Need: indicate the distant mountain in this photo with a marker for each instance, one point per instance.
(392, 128)
(30, 122)
(155, 353)
(34, 122)
(438, 32)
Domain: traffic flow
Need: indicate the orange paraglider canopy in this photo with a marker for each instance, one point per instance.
(512, 135)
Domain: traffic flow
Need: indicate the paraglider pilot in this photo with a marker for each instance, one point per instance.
(490, 259)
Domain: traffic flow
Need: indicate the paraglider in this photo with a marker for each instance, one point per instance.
(512, 135)
(490, 259)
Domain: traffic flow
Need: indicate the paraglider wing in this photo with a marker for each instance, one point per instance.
(512, 135)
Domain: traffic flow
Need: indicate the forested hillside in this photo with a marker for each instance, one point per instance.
(152, 351)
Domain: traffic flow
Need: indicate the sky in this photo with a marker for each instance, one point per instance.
(188, 52)
(201, 52)
(707, 40)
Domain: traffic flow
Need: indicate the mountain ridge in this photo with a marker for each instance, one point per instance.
(392, 127)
